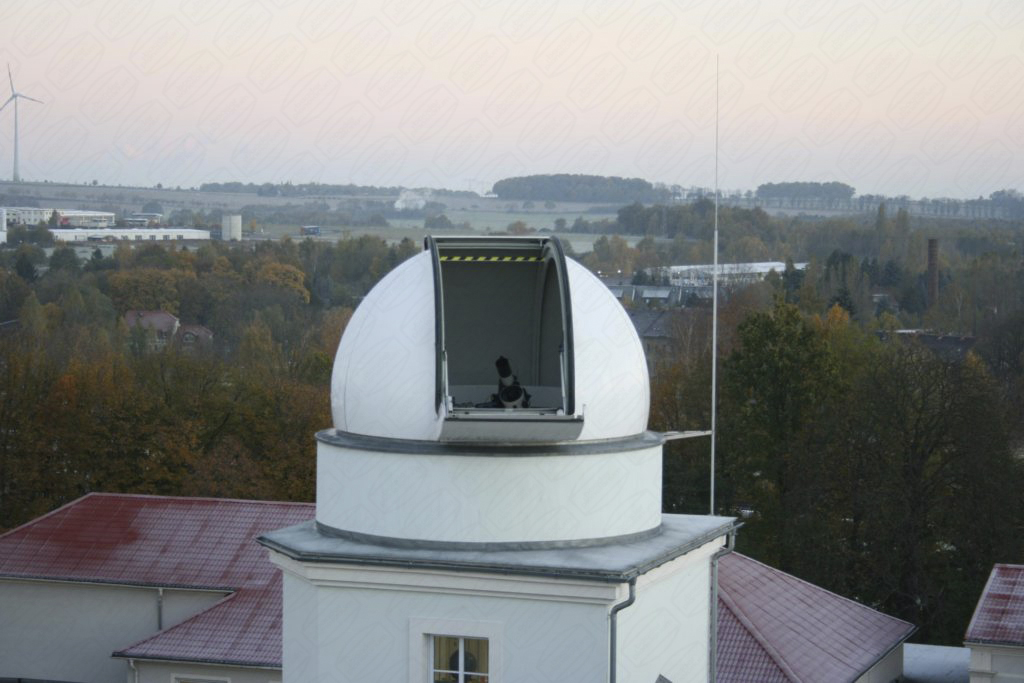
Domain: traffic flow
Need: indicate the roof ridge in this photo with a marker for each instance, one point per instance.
(787, 575)
(780, 661)
(51, 513)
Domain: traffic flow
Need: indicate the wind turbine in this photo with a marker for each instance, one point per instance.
(15, 96)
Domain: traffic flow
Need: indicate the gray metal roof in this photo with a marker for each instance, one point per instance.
(616, 562)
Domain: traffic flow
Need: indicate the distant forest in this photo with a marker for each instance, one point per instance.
(565, 187)
(289, 189)
(831, 190)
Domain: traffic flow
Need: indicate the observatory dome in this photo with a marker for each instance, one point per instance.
(419, 354)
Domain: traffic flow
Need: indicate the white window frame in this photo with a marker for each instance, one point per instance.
(188, 678)
(422, 631)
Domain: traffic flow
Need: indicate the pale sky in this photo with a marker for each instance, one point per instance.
(918, 97)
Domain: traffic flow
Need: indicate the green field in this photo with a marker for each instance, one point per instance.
(480, 222)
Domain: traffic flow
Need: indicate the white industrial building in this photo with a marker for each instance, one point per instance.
(231, 228)
(488, 511)
(728, 273)
(129, 234)
(30, 215)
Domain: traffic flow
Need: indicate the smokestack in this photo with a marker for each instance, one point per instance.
(933, 271)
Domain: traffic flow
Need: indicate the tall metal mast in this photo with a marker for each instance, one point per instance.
(714, 313)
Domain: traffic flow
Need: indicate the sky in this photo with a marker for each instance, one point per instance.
(916, 97)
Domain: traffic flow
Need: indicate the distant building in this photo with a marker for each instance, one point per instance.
(29, 215)
(657, 331)
(231, 227)
(410, 200)
(130, 234)
(950, 347)
(698, 280)
(167, 329)
(143, 220)
(995, 635)
(161, 324)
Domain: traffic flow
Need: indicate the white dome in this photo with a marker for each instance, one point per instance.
(384, 378)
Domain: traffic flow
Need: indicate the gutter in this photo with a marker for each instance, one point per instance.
(730, 545)
(613, 631)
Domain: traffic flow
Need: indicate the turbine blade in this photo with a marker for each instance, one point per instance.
(10, 77)
(30, 98)
(9, 100)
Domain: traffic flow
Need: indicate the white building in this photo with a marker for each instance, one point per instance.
(996, 632)
(412, 200)
(29, 215)
(456, 536)
(231, 227)
(128, 234)
(728, 273)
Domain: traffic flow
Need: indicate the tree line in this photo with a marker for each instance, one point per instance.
(88, 404)
(567, 187)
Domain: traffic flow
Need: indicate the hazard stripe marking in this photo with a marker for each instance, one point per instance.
(492, 259)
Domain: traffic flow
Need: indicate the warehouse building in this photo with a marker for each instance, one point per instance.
(29, 215)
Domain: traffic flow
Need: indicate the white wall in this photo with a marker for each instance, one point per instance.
(887, 670)
(166, 672)
(488, 498)
(995, 664)
(665, 632)
(335, 633)
(67, 631)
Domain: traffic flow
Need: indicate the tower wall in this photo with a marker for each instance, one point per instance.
(490, 496)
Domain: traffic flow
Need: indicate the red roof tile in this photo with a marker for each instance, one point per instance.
(999, 617)
(772, 627)
(768, 617)
(170, 542)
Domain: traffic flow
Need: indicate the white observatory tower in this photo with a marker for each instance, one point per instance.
(489, 500)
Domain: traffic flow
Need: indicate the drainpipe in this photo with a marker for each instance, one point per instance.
(159, 609)
(135, 674)
(613, 628)
(730, 544)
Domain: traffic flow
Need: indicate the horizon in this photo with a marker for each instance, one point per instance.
(893, 97)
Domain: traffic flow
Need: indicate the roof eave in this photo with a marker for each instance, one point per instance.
(125, 654)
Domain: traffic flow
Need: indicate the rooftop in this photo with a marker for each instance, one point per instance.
(999, 617)
(172, 543)
(775, 627)
(772, 626)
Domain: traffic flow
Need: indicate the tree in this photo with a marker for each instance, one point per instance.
(64, 258)
(54, 219)
(24, 268)
(779, 385)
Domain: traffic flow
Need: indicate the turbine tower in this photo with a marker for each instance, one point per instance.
(15, 96)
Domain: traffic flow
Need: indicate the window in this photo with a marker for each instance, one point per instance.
(459, 660)
(455, 650)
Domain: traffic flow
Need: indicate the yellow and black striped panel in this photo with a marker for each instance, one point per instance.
(491, 259)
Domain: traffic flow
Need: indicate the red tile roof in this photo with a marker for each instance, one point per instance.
(170, 542)
(999, 617)
(774, 627)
